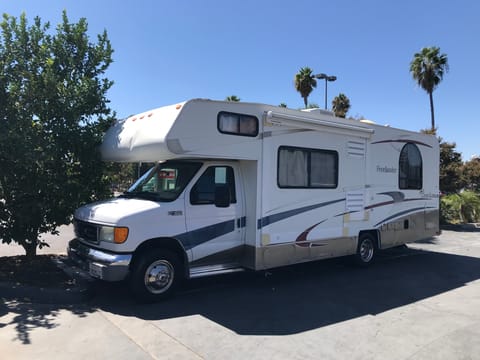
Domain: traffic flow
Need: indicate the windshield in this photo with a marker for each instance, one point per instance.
(163, 182)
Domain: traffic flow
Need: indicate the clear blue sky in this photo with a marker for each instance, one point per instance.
(170, 51)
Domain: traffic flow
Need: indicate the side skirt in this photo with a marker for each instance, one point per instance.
(210, 270)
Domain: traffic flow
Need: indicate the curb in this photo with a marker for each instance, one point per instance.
(81, 291)
(470, 227)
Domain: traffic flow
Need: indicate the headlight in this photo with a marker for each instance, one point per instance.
(114, 234)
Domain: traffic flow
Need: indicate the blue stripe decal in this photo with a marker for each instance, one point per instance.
(193, 238)
(267, 220)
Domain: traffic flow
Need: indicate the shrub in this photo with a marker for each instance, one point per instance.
(450, 209)
(460, 208)
(470, 206)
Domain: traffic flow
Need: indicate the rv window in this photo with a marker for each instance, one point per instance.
(237, 124)
(323, 168)
(307, 168)
(410, 174)
(203, 192)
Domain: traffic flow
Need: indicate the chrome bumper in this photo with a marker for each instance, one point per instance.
(99, 264)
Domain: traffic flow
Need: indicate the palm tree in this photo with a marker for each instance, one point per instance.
(427, 68)
(305, 82)
(232, 98)
(341, 105)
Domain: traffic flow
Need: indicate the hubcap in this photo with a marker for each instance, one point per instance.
(159, 276)
(366, 250)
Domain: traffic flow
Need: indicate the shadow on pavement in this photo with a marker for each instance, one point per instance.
(304, 297)
(27, 317)
(281, 301)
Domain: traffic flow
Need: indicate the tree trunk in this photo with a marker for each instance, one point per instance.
(431, 110)
(305, 100)
(30, 248)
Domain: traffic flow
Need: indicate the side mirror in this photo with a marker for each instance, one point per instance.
(222, 196)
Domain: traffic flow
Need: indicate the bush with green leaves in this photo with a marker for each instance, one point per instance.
(53, 112)
(450, 209)
(460, 208)
(470, 206)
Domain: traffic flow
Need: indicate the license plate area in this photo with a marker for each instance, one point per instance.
(95, 270)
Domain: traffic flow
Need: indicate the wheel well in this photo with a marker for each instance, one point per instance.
(161, 243)
(373, 233)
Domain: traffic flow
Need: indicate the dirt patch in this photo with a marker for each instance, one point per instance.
(40, 271)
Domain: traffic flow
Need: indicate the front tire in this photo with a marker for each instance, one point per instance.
(155, 275)
(366, 250)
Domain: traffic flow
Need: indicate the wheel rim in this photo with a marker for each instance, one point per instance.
(366, 250)
(159, 276)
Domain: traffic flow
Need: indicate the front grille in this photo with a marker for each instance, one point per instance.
(86, 231)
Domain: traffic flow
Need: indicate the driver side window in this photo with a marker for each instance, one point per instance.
(203, 192)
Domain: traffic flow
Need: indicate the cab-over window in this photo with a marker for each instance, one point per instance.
(237, 124)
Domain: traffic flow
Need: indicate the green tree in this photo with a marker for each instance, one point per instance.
(471, 174)
(120, 176)
(283, 105)
(234, 98)
(53, 110)
(305, 82)
(341, 105)
(427, 68)
(450, 168)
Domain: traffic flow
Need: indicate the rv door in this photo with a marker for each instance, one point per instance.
(216, 226)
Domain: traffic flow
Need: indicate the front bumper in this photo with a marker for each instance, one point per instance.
(99, 264)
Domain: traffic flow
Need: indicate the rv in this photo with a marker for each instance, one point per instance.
(239, 186)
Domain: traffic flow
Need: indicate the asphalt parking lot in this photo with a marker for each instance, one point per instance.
(420, 302)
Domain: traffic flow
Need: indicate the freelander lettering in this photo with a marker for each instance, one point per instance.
(386, 169)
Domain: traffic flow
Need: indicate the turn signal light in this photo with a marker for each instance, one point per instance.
(120, 235)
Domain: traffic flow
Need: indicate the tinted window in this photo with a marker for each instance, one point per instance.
(203, 192)
(410, 175)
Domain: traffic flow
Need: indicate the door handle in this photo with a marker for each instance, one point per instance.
(241, 222)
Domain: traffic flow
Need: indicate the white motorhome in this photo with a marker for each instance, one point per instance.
(249, 186)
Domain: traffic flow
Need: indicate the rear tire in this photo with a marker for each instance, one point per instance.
(155, 275)
(366, 250)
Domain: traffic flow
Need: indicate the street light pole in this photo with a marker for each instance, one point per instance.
(327, 79)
